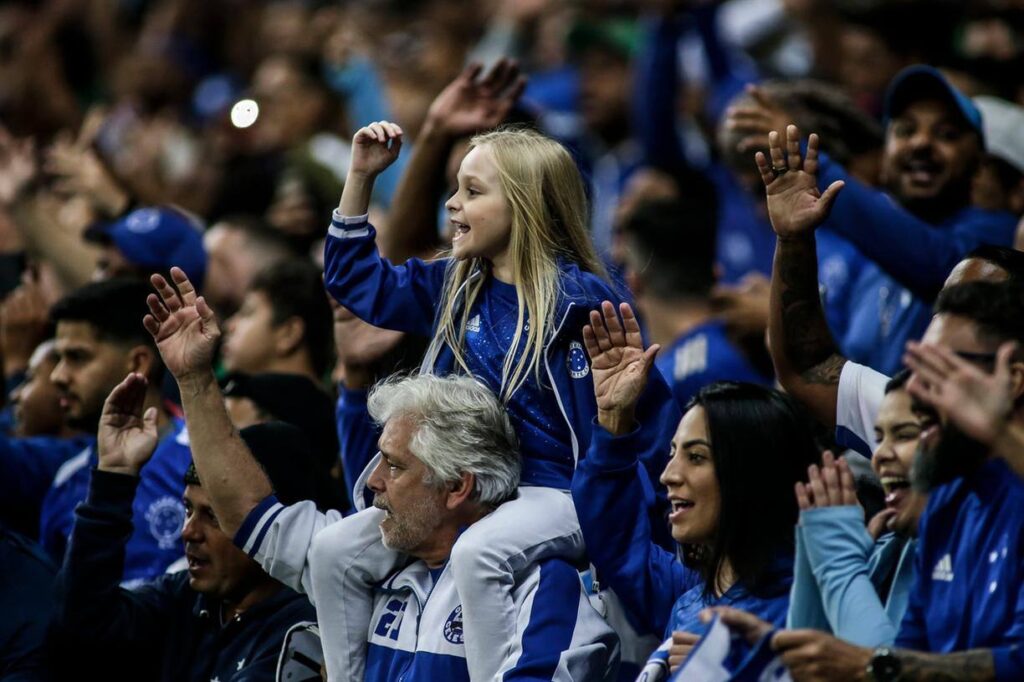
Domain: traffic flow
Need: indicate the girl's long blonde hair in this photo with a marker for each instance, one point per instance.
(549, 221)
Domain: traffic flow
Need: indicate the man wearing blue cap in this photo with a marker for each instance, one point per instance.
(148, 240)
(923, 224)
(914, 232)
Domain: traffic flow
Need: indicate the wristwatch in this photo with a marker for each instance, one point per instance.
(884, 666)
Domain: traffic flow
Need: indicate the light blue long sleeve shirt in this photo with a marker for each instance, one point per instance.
(841, 577)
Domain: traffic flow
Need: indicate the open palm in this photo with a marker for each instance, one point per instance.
(795, 206)
(978, 402)
(471, 103)
(618, 359)
(127, 435)
(183, 326)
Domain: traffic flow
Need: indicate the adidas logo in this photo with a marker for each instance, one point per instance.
(943, 569)
(473, 325)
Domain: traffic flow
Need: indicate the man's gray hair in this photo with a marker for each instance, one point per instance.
(460, 427)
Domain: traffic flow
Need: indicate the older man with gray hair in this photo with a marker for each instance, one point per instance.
(448, 457)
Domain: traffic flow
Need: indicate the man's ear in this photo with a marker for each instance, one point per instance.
(288, 335)
(460, 490)
(142, 359)
(1017, 378)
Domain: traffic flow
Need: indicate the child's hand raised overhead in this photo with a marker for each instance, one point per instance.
(374, 148)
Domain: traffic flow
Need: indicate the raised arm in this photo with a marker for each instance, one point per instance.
(915, 253)
(374, 148)
(838, 548)
(400, 297)
(611, 489)
(473, 102)
(654, 110)
(186, 333)
(807, 360)
(91, 605)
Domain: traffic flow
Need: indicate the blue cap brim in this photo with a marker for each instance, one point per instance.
(921, 82)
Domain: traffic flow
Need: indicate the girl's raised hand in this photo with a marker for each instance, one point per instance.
(374, 148)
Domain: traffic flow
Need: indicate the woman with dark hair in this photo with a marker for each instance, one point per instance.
(734, 460)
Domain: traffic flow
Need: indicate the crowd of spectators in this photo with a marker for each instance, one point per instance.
(512, 340)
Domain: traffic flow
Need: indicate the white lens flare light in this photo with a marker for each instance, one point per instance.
(244, 113)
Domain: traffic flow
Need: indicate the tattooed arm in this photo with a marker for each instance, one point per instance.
(806, 358)
(976, 665)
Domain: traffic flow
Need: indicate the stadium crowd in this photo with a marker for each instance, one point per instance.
(580, 340)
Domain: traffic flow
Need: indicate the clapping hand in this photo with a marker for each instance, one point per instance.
(831, 485)
(756, 116)
(24, 316)
(78, 169)
(18, 166)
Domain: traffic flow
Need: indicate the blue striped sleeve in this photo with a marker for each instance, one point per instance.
(254, 528)
(552, 621)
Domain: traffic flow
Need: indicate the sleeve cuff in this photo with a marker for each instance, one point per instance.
(614, 452)
(256, 524)
(825, 516)
(111, 492)
(349, 227)
(339, 218)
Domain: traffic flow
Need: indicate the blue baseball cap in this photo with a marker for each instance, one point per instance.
(919, 82)
(156, 238)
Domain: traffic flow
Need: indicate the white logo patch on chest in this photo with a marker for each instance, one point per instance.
(577, 361)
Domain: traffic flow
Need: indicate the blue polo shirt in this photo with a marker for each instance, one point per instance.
(969, 588)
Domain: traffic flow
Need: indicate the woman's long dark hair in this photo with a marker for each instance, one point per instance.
(761, 444)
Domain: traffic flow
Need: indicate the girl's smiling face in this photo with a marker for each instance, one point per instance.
(480, 214)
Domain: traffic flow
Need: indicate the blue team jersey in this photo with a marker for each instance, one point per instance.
(416, 630)
(883, 316)
(771, 606)
(553, 413)
(908, 258)
(702, 356)
(745, 241)
(969, 589)
(157, 512)
(27, 469)
(533, 409)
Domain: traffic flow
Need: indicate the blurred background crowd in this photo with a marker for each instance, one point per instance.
(216, 136)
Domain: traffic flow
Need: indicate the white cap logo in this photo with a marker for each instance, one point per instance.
(143, 220)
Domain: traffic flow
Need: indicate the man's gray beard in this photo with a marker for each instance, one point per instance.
(412, 529)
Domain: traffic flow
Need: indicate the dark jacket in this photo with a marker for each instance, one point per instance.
(26, 600)
(163, 630)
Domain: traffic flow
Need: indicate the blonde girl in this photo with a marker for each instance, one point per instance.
(507, 306)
